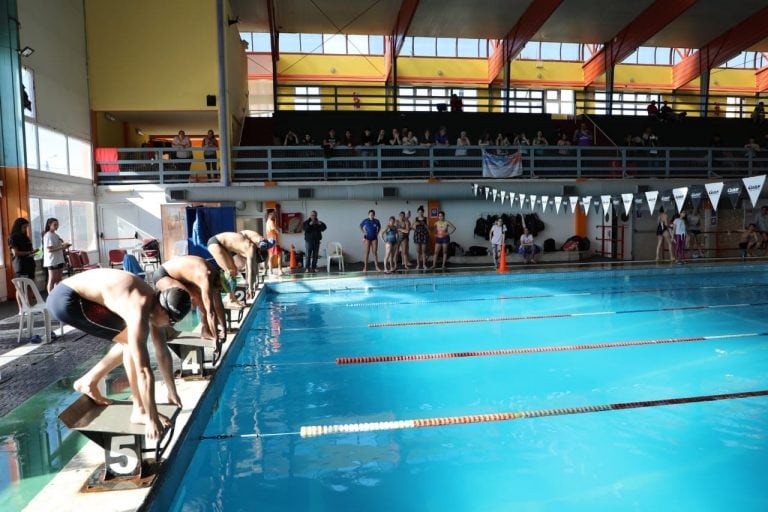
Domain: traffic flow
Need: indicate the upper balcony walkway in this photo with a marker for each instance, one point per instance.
(365, 163)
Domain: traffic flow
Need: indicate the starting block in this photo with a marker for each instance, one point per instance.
(231, 309)
(190, 348)
(123, 442)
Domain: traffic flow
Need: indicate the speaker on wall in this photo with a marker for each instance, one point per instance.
(210, 100)
(306, 193)
(391, 192)
(177, 195)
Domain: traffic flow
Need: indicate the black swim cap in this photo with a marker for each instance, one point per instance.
(176, 302)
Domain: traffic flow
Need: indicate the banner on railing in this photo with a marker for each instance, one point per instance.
(502, 166)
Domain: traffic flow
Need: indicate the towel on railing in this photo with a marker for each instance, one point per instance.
(107, 159)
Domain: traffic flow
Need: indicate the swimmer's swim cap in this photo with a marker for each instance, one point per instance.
(176, 302)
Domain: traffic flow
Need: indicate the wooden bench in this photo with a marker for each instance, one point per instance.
(124, 443)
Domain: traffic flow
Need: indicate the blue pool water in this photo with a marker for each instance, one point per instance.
(246, 452)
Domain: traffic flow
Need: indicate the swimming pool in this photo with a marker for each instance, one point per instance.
(607, 390)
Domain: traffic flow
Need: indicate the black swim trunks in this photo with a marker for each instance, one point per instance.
(70, 308)
(159, 274)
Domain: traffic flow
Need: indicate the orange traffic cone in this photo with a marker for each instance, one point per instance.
(502, 260)
(293, 263)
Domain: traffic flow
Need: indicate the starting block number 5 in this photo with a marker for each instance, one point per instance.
(123, 456)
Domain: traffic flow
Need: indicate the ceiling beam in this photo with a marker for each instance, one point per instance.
(726, 46)
(403, 22)
(656, 17)
(274, 41)
(761, 79)
(537, 13)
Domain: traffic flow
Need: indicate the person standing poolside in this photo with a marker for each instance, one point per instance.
(224, 247)
(528, 247)
(23, 253)
(117, 306)
(663, 235)
(370, 227)
(313, 234)
(53, 255)
(403, 234)
(693, 221)
(389, 234)
(496, 235)
(273, 233)
(443, 231)
(421, 238)
(678, 225)
(201, 280)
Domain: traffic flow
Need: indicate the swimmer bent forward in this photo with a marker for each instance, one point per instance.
(118, 306)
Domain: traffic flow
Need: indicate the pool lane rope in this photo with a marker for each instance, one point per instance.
(544, 296)
(534, 350)
(415, 323)
(321, 430)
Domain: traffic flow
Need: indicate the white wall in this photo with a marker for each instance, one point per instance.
(56, 31)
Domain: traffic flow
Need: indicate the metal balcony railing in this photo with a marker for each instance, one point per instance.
(313, 163)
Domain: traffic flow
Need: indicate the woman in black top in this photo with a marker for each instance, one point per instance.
(21, 249)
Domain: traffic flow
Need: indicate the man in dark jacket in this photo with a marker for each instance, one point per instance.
(313, 233)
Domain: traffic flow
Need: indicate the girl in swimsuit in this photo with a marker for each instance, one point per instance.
(274, 252)
(421, 238)
(663, 235)
(389, 235)
(443, 231)
(403, 232)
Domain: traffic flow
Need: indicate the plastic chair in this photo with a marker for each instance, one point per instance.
(335, 251)
(149, 256)
(23, 286)
(116, 258)
(87, 265)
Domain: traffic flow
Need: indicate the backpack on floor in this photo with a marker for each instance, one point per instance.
(549, 245)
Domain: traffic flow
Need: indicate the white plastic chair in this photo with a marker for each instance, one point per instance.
(335, 251)
(23, 286)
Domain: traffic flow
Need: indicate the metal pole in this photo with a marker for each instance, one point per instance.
(221, 25)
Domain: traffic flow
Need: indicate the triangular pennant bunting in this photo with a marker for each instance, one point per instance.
(714, 190)
(754, 185)
(680, 194)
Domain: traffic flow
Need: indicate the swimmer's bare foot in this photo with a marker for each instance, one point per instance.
(139, 417)
(91, 391)
(206, 334)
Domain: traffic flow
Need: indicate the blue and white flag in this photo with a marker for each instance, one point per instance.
(502, 166)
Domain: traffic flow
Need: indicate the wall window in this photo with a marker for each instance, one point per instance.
(735, 107)
(332, 43)
(625, 103)
(376, 45)
(83, 225)
(307, 98)
(407, 49)
(79, 158)
(524, 101)
(424, 47)
(53, 150)
(358, 45)
(560, 101)
(77, 221)
(446, 46)
(28, 81)
(289, 43)
(30, 136)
